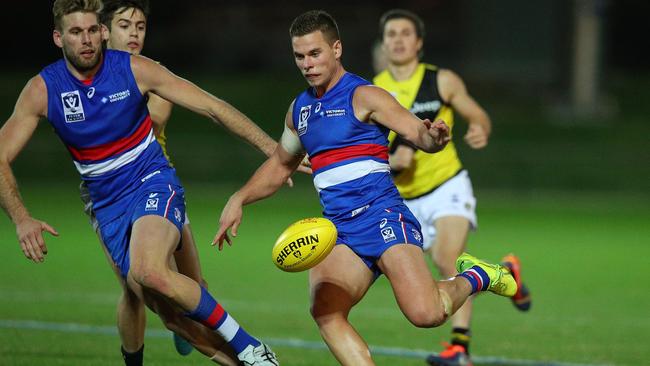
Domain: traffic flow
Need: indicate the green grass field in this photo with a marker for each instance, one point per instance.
(585, 258)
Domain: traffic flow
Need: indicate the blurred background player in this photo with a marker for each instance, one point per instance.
(342, 122)
(435, 187)
(96, 101)
(126, 21)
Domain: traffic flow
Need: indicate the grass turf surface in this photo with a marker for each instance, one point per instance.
(584, 255)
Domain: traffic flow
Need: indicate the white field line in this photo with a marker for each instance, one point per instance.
(280, 342)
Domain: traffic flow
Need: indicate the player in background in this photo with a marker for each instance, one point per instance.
(341, 121)
(126, 21)
(96, 101)
(436, 187)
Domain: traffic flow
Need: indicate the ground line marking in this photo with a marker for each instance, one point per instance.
(281, 342)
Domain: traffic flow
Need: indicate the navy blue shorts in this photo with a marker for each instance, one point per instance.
(165, 200)
(370, 234)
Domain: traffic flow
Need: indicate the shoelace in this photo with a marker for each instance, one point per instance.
(268, 355)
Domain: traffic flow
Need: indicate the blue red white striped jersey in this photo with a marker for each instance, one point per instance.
(349, 157)
(105, 125)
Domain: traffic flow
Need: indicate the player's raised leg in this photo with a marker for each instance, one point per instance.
(336, 285)
(153, 241)
(200, 337)
(425, 303)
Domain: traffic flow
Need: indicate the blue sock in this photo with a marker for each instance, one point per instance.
(210, 313)
(477, 277)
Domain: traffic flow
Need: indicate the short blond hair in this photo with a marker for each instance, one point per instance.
(62, 8)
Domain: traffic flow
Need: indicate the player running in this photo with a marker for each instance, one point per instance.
(126, 21)
(436, 187)
(342, 123)
(96, 101)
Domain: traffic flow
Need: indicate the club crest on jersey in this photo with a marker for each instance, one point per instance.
(177, 214)
(417, 235)
(305, 112)
(72, 107)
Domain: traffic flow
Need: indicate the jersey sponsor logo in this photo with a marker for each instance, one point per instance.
(430, 106)
(317, 109)
(388, 234)
(335, 112)
(149, 176)
(119, 96)
(359, 210)
(383, 223)
(152, 204)
(305, 112)
(91, 92)
(72, 107)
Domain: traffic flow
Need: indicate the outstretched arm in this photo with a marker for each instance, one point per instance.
(267, 180)
(14, 134)
(373, 104)
(452, 90)
(152, 77)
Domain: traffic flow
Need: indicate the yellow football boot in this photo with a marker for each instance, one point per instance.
(501, 280)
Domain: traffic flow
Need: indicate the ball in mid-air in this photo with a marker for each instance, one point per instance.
(304, 244)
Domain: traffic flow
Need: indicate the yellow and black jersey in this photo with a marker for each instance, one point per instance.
(420, 95)
(162, 141)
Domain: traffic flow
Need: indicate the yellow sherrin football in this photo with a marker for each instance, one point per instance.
(304, 244)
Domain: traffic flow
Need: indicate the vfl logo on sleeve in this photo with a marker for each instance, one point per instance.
(305, 112)
(72, 107)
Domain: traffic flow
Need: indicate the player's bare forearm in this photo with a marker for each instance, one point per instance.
(14, 135)
(432, 137)
(236, 122)
(269, 177)
(153, 77)
(10, 199)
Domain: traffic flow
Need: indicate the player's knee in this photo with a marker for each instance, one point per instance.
(151, 278)
(426, 318)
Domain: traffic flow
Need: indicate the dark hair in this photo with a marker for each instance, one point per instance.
(113, 6)
(62, 8)
(401, 14)
(312, 21)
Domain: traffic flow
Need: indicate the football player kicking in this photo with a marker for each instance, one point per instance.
(96, 101)
(341, 121)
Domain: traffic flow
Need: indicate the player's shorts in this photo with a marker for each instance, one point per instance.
(454, 197)
(152, 198)
(84, 194)
(370, 234)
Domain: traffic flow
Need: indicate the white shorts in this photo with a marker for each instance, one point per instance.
(454, 197)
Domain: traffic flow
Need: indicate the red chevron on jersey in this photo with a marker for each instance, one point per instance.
(117, 147)
(349, 152)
